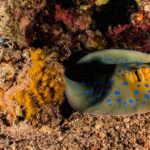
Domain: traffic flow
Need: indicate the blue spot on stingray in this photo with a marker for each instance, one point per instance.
(109, 104)
(107, 94)
(130, 101)
(125, 83)
(124, 103)
(108, 100)
(122, 75)
(111, 81)
(123, 64)
(143, 103)
(136, 92)
(117, 92)
(118, 100)
(119, 70)
(134, 106)
(88, 92)
(146, 96)
(146, 85)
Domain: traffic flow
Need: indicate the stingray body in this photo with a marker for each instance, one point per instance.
(110, 82)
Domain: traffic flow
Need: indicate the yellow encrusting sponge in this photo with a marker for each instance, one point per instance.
(42, 83)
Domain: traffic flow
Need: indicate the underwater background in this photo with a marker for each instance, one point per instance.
(74, 74)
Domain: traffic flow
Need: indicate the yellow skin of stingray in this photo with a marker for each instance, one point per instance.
(140, 76)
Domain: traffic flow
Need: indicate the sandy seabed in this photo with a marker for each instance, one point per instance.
(83, 132)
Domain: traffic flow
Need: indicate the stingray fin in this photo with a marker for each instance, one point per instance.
(116, 56)
(125, 91)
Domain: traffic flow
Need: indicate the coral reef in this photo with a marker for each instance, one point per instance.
(62, 26)
(29, 80)
(72, 21)
(15, 16)
(67, 27)
(136, 33)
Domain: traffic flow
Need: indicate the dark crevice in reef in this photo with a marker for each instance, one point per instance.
(66, 3)
(72, 60)
(66, 110)
(40, 32)
(113, 13)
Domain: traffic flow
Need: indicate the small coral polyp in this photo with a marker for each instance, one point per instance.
(39, 82)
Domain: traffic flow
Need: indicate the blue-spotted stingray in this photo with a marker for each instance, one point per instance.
(110, 82)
